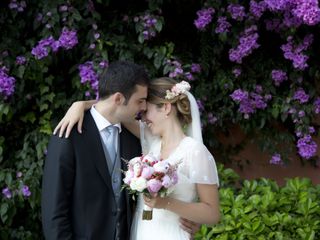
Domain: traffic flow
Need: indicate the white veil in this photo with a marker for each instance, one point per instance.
(194, 128)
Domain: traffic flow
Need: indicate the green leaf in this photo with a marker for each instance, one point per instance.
(247, 225)
(43, 107)
(3, 211)
(256, 225)
(157, 61)
(2, 176)
(158, 26)
(204, 230)
(44, 89)
(20, 72)
(218, 229)
(141, 38)
(255, 199)
(29, 117)
(8, 179)
(275, 111)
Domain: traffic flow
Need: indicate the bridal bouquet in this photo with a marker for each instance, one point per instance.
(150, 175)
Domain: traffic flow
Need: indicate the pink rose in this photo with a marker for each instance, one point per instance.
(154, 185)
(166, 181)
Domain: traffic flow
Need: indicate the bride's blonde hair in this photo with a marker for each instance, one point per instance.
(157, 92)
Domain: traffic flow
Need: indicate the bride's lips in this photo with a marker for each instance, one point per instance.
(149, 123)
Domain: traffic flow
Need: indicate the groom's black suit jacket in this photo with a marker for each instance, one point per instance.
(77, 197)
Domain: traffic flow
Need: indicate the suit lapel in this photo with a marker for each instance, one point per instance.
(129, 147)
(95, 145)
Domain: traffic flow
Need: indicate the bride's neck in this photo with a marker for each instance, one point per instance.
(171, 138)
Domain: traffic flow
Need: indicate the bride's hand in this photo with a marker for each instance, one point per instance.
(155, 202)
(189, 226)
(74, 115)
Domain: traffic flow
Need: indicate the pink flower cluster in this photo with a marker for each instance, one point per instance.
(148, 174)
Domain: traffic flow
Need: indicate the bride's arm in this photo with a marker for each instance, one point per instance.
(74, 115)
(206, 211)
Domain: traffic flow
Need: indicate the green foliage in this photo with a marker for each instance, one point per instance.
(260, 209)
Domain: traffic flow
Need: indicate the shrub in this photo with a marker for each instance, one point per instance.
(260, 209)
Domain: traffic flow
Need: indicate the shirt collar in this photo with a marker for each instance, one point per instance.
(101, 121)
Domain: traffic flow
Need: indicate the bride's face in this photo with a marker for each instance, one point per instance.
(155, 117)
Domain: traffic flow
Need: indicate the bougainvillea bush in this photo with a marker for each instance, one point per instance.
(253, 64)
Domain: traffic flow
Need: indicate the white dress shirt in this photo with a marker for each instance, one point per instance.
(103, 123)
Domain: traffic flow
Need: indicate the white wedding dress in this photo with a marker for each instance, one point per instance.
(197, 166)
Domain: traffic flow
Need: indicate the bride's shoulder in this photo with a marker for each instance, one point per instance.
(193, 144)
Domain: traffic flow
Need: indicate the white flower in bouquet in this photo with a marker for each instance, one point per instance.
(139, 184)
(137, 168)
(161, 167)
(128, 176)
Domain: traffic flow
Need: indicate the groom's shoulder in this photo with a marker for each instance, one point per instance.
(127, 138)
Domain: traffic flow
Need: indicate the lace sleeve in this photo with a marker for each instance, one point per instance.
(202, 166)
(146, 138)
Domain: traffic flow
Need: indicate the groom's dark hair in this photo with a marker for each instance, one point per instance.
(122, 76)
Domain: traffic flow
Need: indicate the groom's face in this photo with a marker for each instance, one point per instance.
(135, 104)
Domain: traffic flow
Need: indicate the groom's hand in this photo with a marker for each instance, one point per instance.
(189, 226)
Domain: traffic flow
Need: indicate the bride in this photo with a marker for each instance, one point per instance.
(171, 130)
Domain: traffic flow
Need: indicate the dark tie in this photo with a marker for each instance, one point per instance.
(111, 142)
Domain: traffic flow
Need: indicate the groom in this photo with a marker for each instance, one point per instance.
(81, 197)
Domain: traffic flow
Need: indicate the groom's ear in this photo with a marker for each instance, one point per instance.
(119, 98)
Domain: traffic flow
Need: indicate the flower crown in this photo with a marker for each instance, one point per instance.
(179, 88)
